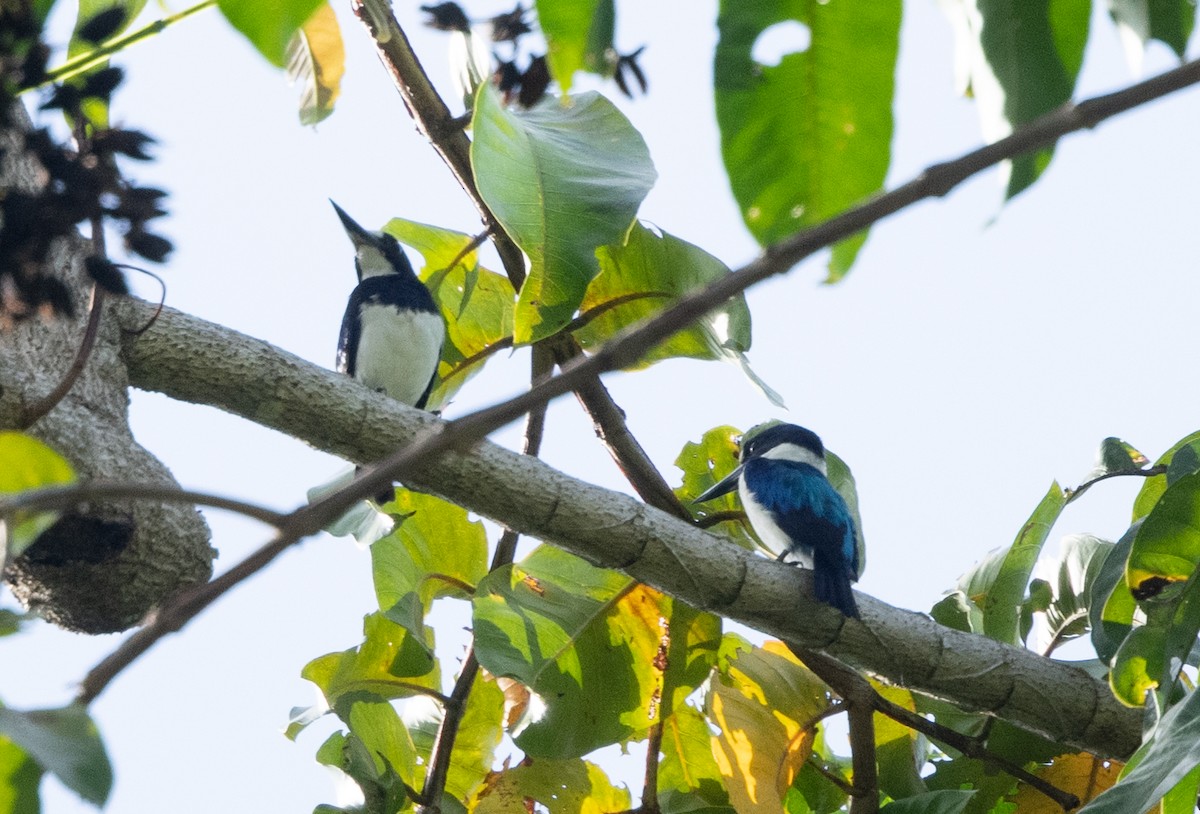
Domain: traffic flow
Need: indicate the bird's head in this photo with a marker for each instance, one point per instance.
(375, 253)
(787, 442)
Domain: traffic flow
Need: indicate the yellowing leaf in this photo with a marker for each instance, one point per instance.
(316, 60)
(1083, 775)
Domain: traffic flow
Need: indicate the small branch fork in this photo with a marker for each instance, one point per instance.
(862, 701)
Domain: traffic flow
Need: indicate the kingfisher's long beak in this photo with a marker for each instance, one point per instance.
(358, 235)
(722, 487)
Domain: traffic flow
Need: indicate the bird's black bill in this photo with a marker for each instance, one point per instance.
(358, 235)
(722, 487)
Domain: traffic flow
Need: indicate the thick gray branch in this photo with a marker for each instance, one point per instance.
(195, 361)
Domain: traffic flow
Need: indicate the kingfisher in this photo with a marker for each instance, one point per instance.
(392, 332)
(794, 509)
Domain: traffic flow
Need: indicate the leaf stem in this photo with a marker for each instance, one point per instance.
(83, 62)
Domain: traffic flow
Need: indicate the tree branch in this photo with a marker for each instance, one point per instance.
(191, 360)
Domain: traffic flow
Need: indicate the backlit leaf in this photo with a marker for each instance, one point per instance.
(316, 61)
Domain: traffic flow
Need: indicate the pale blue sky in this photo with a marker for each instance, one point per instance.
(972, 356)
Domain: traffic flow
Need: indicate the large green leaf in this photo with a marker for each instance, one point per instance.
(563, 178)
(579, 37)
(1168, 21)
(390, 663)
(1004, 596)
(1172, 753)
(1167, 547)
(435, 551)
(587, 642)
(645, 274)
(269, 24)
(1154, 487)
(809, 137)
(1019, 59)
(661, 267)
(703, 464)
(20, 776)
(477, 304)
(64, 742)
(1111, 605)
(26, 463)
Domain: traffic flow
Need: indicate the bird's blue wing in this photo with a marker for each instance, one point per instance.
(806, 507)
(351, 332)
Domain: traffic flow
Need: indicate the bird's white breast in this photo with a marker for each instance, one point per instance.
(770, 533)
(398, 350)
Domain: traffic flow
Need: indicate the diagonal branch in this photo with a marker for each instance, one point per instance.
(446, 135)
(192, 360)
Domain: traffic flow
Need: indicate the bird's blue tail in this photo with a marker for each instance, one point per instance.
(831, 584)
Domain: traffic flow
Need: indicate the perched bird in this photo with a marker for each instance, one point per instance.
(392, 332)
(795, 509)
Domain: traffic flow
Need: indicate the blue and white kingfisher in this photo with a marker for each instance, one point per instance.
(795, 510)
(392, 332)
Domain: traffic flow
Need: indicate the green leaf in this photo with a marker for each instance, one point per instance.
(390, 663)
(88, 9)
(1111, 606)
(316, 61)
(1154, 487)
(931, 802)
(1167, 546)
(269, 24)
(959, 612)
(662, 267)
(703, 464)
(26, 463)
(1182, 798)
(1019, 60)
(1001, 602)
(434, 552)
(1171, 754)
(1080, 560)
(559, 786)
(477, 304)
(689, 781)
(900, 751)
(376, 723)
(11, 622)
(1138, 665)
(645, 274)
(760, 703)
(805, 139)
(479, 733)
(563, 178)
(842, 479)
(579, 37)
(1139, 21)
(20, 776)
(583, 639)
(66, 743)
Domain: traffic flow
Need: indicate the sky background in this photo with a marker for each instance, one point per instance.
(974, 354)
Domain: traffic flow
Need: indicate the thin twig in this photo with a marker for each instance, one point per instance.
(434, 120)
(69, 495)
(33, 412)
(972, 748)
(456, 705)
(859, 696)
(1153, 471)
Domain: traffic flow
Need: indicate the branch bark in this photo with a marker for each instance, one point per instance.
(192, 360)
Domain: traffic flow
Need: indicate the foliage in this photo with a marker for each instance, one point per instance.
(575, 658)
